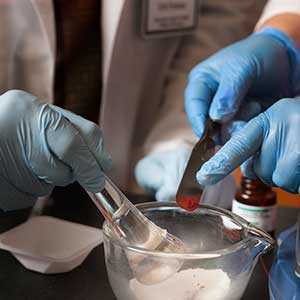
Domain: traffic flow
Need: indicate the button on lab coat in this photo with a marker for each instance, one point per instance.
(143, 80)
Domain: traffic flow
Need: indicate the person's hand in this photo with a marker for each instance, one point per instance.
(43, 146)
(273, 139)
(160, 172)
(243, 79)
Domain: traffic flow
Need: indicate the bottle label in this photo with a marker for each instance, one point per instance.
(263, 217)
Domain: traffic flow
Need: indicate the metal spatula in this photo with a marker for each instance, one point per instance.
(189, 192)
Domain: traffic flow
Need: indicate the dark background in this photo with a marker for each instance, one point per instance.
(89, 281)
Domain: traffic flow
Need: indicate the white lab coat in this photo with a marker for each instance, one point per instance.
(143, 80)
(277, 7)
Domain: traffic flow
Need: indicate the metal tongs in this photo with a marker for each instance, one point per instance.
(190, 191)
(132, 228)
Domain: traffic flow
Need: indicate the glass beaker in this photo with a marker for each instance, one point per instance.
(222, 250)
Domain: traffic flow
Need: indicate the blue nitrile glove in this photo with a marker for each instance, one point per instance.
(160, 172)
(42, 146)
(247, 76)
(273, 137)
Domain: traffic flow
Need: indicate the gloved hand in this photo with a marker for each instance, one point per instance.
(160, 172)
(42, 146)
(245, 78)
(273, 138)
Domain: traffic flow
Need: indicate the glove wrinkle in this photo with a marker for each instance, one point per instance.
(43, 146)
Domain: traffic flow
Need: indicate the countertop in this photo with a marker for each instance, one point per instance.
(89, 281)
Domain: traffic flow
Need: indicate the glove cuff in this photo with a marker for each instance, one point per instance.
(293, 54)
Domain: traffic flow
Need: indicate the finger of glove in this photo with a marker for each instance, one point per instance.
(165, 193)
(287, 173)
(172, 178)
(47, 168)
(265, 161)
(230, 129)
(91, 134)
(248, 110)
(198, 96)
(247, 168)
(239, 148)
(68, 145)
(37, 168)
(230, 93)
(149, 174)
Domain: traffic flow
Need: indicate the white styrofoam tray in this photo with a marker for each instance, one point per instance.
(50, 245)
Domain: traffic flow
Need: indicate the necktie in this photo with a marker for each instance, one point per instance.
(78, 63)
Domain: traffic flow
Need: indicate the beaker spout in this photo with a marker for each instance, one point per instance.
(263, 242)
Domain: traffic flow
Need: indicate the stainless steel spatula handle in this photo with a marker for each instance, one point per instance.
(189, 191)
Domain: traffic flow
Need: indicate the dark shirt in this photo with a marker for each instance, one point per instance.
(78, 81)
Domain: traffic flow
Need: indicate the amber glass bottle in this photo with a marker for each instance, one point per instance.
(256, 202)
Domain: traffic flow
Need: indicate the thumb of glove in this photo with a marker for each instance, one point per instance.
(230, 93)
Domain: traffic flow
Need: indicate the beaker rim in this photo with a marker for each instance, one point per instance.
(188, 255)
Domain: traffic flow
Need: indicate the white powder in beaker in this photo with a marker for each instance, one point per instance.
(190, 284)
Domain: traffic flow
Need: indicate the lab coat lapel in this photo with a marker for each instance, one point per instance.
(45, 11)
(134, 81)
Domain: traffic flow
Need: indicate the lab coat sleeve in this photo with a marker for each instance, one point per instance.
(172, 129)
(277, 7)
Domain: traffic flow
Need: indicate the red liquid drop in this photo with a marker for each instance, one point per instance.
(188, 202)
